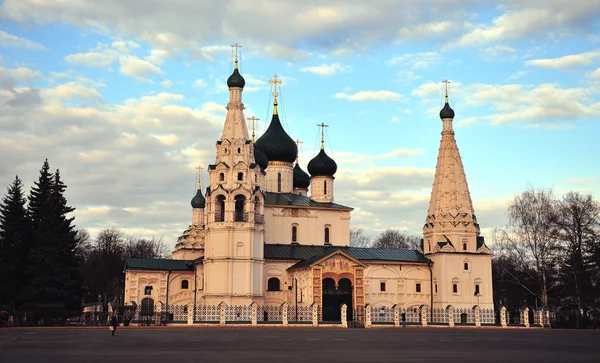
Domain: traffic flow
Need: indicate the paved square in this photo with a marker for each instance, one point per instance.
(297, 345)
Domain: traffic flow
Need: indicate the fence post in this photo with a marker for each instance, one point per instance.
(423, 313)
(254, 313)
(315, 314)
(541, 317)
(526, 317)
(503, 322)
(547, 312)
(396, 315)
(344, 313)
(450, 309)
(368, 309)
(190, 317)
(477, 314)
(222, 306)
(284, 313)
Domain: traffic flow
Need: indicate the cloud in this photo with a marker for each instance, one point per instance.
(326, 69)
(11, 77)
(167, 83)
(138, 68)
(567, 61)
(353, 158)
(516, 75)
(369, 96)
(417, 60)
(92, 59)
(427, 30)
(10, 40)
(499, 52)
(199, 83)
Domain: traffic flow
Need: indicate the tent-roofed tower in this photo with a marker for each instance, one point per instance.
(451, 234)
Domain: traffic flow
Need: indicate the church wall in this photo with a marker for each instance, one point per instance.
(310, 225)
(136, 282)
(279, 177)
(449, 269)
(400, 285)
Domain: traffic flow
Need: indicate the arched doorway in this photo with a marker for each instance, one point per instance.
(334, 297)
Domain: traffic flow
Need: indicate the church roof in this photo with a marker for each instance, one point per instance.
(295, 200)
(164, 264)
(309, 254)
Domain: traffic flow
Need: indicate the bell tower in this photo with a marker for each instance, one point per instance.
(233, 259)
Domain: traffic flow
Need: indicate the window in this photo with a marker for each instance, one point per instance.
(464, 246)
(240, 215)
(436, 288)
(273, 284)
(476, 289)
(325, 187)
(294, 234)
(466, 266)
(418, 287)
(148, 290)
(382, 286)
(455, 288)
(279, 182)
(240, 176)
(220, 208)
(221, 177)
(239, 150)
(326, 234)
(185, 284)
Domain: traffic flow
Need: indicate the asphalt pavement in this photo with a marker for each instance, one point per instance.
(266, 344)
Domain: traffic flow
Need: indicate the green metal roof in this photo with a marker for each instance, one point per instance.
(310, 254)
(158, 264)
(295, 200)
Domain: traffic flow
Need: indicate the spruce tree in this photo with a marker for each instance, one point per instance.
(14, 229)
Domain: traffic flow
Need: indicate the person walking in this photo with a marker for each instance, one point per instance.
(113, 324)
(404, 320)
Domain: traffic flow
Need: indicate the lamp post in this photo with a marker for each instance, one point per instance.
(296, 295)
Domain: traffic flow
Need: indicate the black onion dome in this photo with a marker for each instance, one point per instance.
(198, 201)
(236, 80)
(322, 165)
(446, 112)
(276, 144)
(301, 179)
(260, 158)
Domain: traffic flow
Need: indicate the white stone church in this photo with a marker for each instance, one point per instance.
(265, 231)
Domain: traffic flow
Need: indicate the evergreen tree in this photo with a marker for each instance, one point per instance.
(14, 228)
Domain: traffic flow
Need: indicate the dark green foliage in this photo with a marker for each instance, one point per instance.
(14, 228)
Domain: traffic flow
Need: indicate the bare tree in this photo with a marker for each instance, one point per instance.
(358, 238)
(394, 239)
(531, 235)
(577, 219)
(145, 248)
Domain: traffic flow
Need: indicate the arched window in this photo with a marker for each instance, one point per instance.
(464, 246)
(294, 233)
(240, 176)
(476, 289)
(326, 234)
(221, 177)
(279, 182)
(240, 215)
(220, 208)
(328, 286)
(466, 266)
(273, 284)
(239, 150)
(325, 187)
(185, 284)
(455, 288)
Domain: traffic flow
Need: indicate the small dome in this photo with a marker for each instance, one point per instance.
(236, 80)
(260, 159)
(198, 201)
(301, 179)
(322, 165)
(276, 144)
(446, 112)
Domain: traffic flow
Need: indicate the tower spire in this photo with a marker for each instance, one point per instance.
(322, 126)
(234, 48)
(298, 142)
(199, 169)
(446, 82)
(275, 82)
(253, 119)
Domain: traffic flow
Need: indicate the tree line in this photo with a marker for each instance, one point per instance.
(46, 263)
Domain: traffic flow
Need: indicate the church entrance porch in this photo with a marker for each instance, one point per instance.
(334, 297)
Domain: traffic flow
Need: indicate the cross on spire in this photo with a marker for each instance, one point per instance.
(275, 82)
(298, 142)
(446, 82)
(322, 126)
(235, 46)
(253, 119)
(199, 168)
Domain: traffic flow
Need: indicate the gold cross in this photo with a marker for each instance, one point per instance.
(446, 82)
(322, 126)
(275, 81)
(236, 46)
(199, 168)
(253, 119)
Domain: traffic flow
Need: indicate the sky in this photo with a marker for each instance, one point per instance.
(126, 98)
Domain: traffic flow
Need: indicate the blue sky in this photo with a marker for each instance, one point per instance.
(127, 97)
